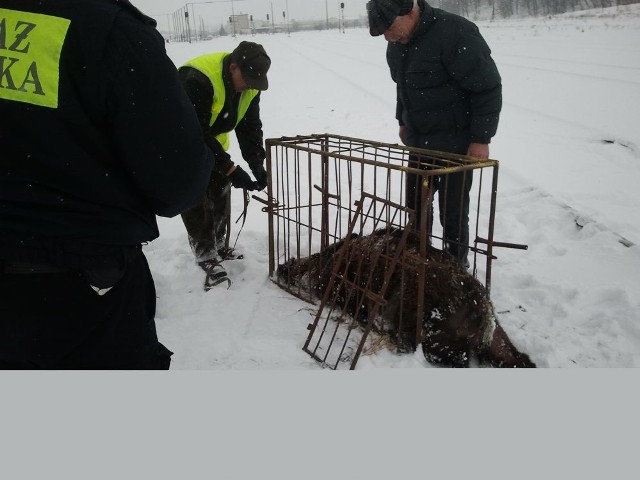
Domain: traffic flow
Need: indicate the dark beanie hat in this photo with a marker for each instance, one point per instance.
(382, 13)
(254, 64)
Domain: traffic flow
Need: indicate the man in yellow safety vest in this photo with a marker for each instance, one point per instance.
(225, 91)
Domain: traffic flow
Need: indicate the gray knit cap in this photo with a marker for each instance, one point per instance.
(382, 13)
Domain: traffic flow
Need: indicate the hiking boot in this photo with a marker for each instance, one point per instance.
(228, 253)
(215, 274)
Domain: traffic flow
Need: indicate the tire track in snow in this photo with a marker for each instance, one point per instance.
(555, 71)
(563, 61)
(580, 219)
(593, 131)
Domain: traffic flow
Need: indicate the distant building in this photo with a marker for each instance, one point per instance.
(240, 24)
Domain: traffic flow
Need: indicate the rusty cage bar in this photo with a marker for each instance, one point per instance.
(326, 187)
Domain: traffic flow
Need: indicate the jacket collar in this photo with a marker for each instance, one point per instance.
(426, 19)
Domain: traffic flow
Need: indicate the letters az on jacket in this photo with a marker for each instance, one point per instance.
(89, 157)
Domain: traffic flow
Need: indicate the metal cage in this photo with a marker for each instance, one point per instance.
(326, 188)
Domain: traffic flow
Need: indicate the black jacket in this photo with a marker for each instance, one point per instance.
(248, 131)
(122, 145)
(449, 91)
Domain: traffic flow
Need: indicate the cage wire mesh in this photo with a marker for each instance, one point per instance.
(326, 189)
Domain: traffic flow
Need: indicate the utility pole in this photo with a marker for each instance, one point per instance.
(233, 20)
(183, 14)
(186, 19)
(326, 8)
(195, 25)
(273, 26)
(288, 18)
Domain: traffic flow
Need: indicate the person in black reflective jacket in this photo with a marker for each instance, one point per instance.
(449, 97)
(98, 137)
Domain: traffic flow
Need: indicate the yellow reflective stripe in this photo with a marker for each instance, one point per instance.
(243, 106)
(223, 139)
(210, 65)
(245, 101)
(30, 47)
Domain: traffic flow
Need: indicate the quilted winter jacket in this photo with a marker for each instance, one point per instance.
(449, 91)
(117, 143)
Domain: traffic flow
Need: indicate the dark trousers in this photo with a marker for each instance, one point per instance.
(206, 223)
(453, 199)
(57, 321)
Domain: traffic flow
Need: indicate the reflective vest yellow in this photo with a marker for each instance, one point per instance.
(210, 65)
(30, 48)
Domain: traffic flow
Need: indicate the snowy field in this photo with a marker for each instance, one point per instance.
(244, 402)
(569, 150)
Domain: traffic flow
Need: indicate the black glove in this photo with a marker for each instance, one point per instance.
(241, 179)
(260, 174)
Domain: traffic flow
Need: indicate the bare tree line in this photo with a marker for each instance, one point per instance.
(473, 9)
(507, 8)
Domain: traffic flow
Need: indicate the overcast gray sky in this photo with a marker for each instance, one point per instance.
(297, 9)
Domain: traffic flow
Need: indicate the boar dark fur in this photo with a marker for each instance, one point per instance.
(459, 323)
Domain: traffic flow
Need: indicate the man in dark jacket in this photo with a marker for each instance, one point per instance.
(225, 91)
(98, 137)
(449, 97)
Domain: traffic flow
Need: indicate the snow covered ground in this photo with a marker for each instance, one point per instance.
(243, 401)
(569, 152)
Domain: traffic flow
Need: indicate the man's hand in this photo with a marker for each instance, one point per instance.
(478, 150)
(241, 179)
(260, 175)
